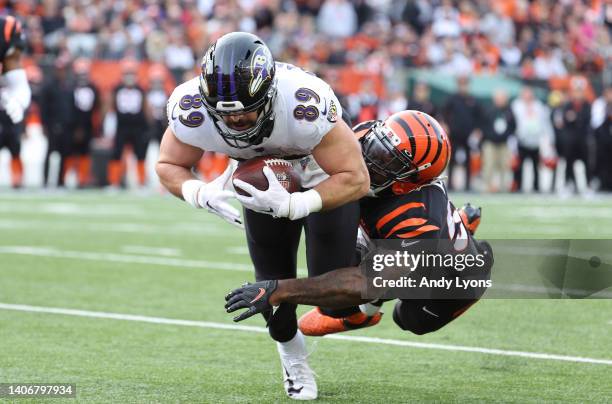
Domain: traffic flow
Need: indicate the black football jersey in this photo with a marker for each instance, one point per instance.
(86, 102)
(11, 34)
(129, 104)
(425, 220)
(426, 213)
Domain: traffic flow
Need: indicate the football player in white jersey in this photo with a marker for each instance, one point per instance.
(15, 93)
(245, 105)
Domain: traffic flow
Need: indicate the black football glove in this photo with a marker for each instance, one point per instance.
(252, 296)
(471, 217)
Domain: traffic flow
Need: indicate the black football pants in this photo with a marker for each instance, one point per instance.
(10, 137)
(136, 135)
(59, 137)
(422, 316)
(273, 245)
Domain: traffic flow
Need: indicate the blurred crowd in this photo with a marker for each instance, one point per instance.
(535, 41)
(566, 135)
(530, 38)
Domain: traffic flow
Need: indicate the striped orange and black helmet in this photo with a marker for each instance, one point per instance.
(406, 151)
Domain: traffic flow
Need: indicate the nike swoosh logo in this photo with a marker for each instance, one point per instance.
(262, 292)
(408, 244)
(210, 206)
(293, 390)
(429, 312)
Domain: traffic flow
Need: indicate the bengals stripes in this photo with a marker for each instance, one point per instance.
(412, 225)
(423, 135)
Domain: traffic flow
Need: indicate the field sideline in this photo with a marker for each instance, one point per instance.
(142, 257)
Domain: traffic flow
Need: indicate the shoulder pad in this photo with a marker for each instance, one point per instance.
(187, 117)
(183, 102)
(312, 107)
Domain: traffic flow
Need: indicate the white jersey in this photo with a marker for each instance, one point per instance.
(305, 109)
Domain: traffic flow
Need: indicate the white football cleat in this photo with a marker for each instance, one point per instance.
(298, 379)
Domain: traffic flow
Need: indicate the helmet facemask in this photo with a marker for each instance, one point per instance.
(242, 139)
(386, 164)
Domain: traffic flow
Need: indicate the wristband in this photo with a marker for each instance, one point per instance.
(190, 190)
(301, 204)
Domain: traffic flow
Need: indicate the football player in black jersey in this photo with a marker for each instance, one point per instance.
(157, 96)
(15, 93)
(405, 156)
(86, 112)
(57, 110)
(130, 105)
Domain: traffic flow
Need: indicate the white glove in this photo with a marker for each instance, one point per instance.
(276, 201)
(213, 197)
(12, 107)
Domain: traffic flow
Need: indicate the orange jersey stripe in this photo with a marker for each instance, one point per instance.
(396, 212)
(419, 231)
(8, 27)
(417, 221)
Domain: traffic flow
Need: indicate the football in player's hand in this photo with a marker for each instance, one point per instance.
(251, 171)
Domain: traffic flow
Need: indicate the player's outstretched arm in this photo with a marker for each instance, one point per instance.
(335, 289)
(175, 162)
(174, 170)
(339, 155)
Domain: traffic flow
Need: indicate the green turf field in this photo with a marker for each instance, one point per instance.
(157, 258)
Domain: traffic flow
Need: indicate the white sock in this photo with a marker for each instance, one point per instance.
(296, 346)
(369, 309)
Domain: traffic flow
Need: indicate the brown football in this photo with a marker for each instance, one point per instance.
(251, 171)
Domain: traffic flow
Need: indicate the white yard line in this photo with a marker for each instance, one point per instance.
(120, 227)
(350, 338)
(73, 209)
(167, 260)
(237, 250)
(142, 249)
(123, 258)
(52, 252)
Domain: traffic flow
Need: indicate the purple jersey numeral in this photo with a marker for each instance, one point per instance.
(306, 94)
(310, 113)
(194, 118)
